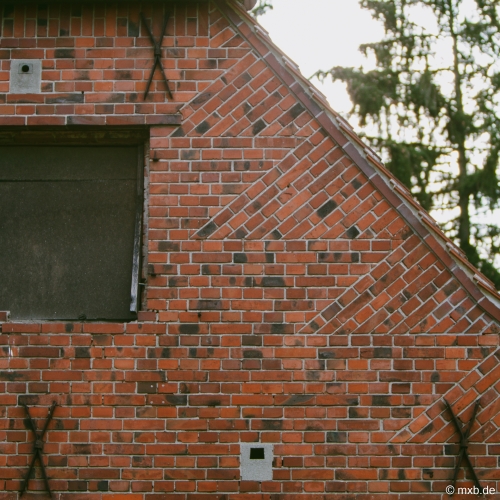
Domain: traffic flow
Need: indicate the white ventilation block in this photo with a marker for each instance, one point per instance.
(256, 461)
(25, 76)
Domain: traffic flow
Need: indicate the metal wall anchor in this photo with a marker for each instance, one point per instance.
(464, 444)
(38, 448)
(157, 53)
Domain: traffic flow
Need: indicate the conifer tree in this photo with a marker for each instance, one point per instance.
(431, 108)
(262, 7)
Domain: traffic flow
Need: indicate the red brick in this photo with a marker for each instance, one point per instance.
(274, 323)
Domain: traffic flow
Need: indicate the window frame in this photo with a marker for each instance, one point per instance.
(99, 136)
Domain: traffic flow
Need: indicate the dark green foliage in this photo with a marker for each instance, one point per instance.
(369, 90)
(262, 7)
(425, 95)
(432, 102)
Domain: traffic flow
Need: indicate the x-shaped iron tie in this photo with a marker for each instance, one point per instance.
(38, 447)
(464, 443)
(157, 53)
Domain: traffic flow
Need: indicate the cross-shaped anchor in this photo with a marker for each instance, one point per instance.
(464, 443)
(157, 53)
(38, 447)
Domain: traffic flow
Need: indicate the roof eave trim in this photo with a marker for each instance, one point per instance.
(364, 157)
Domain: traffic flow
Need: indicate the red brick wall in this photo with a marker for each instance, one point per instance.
(291, 297)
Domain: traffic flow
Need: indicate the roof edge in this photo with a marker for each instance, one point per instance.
(248, 4)
(480, 288)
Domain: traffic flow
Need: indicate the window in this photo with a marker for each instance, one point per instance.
(70, 225)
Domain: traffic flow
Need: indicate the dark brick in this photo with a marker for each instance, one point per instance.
(82, 352)
(103, 486)
(64, 53)
(272, 281)
(254, 340)
(252, 353)
(297, 110)
(240, 258)
(168, 246)
(209, 305)
(203, 127)
(326, 209)
(133, 29)
(352, 232)
(189, 328)
(336, 437)
(147, 387)
(382, 352)
(259, 126)
(380, 400)
(210, 228)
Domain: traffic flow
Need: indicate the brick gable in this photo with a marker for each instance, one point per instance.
(293, 295)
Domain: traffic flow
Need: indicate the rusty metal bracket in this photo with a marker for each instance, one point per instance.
(157, 54)
(464, 433)
(38, 448)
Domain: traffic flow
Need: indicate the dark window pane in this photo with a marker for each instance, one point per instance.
(67, 220)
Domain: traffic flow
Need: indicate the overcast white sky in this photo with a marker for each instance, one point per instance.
(320, 34)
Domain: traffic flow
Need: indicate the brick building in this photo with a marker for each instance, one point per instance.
(223, 290)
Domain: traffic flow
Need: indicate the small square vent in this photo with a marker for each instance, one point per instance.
(25, 76)
(256, 461)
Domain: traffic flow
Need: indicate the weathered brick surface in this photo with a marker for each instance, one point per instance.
(291, 296)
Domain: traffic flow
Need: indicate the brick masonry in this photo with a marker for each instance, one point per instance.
(294, 295)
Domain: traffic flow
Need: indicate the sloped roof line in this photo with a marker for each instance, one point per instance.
(480, 288)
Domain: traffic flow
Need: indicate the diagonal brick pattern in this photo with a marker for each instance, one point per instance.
(434, 425)
(292, 294)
